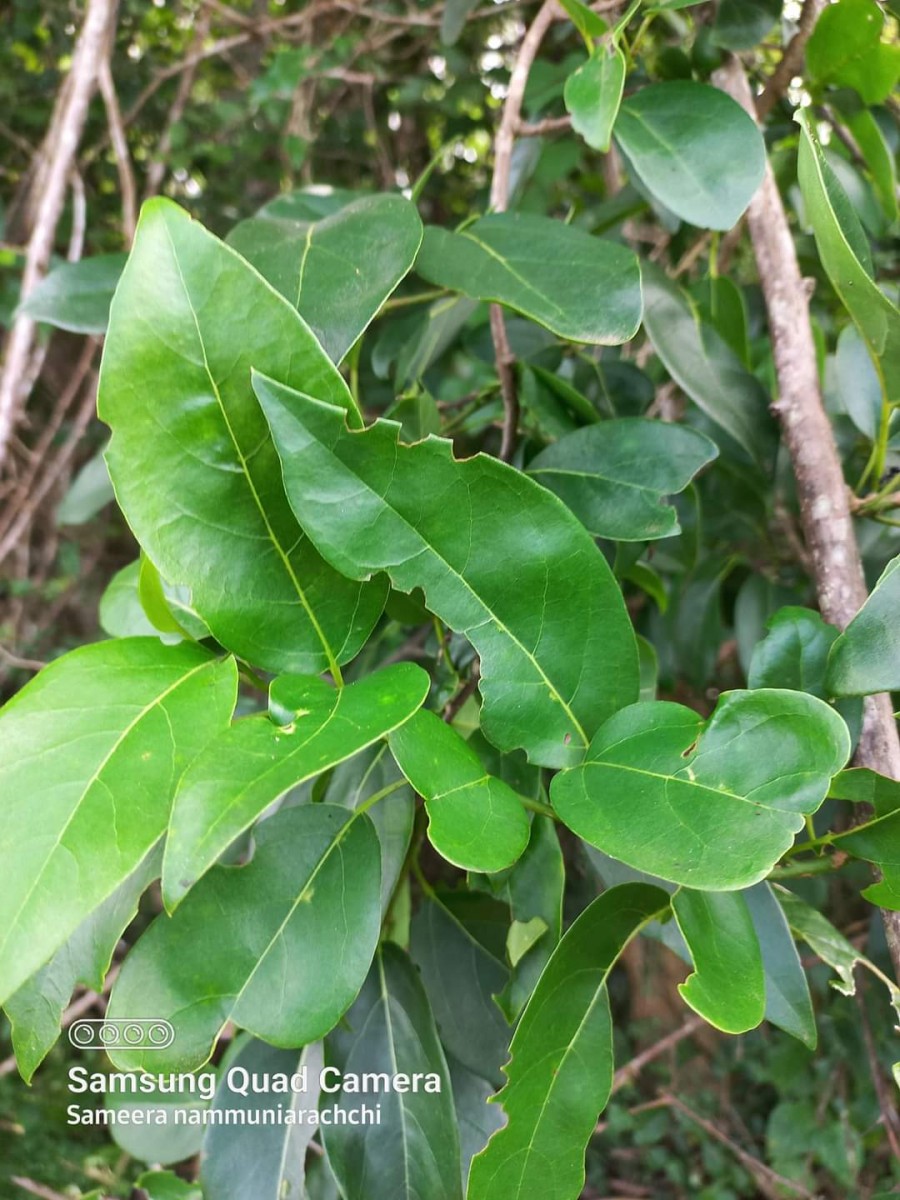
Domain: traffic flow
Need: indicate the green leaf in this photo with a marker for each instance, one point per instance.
(588, 23)
(475, 821)
(846, 48)
(741, 24)
(728, 986)
(878, 840)
(866, 657)
(794, 652)
(249, 766)
(143, 1136)
(580, 287)
(614, 475)
(121, 612)
(453, 19)
(788, 1002)
(90, 491)
(879, 158)
(593, 94)
(309, 895)
(413, 1153)
(847, 261)
(828, 943)
(694, 149)
(190, 458)
(712, 805)
(705, 368)
(338, 271)
(499, 559)
(264, 1160)
(76, 296)
(858, 383)
(91, 751)
(476, 1117)
(437, 330)
(164, 1185)
(561, 1059)
(35, 1011)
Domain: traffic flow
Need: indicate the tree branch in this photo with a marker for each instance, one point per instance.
(792, 59)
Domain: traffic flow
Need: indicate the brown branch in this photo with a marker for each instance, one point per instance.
(889, 1117)
(821, 490)
(35, 1189)
(121, 153)
(627, 1073)
(791, 61)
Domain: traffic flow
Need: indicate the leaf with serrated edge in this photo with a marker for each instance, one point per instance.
(499, 559)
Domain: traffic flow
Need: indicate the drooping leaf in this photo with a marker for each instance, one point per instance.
(91, 751)
(337, 271)
(476, 821)
(712, 805)
(190, 458)
(265, 1159)
(498, 558)
(312, 727)
(414, 1151)
(846, 258)
(561, 1059)
(823, 939)
(593, 94)
(581, 287)
(614, 475)
(694, 148)
(76, 296)
(706, 368)
(310, 894)
(728, 986)
(846, 48)
(866, 657)
(788, 1002)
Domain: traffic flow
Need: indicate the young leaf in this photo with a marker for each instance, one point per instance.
(498, 558)
(250, 765)
(309, 896)
(76, 296)
(709, 805)
(580, 287)
(191, 460)
(414, 1152)
(337, 272)
(694, 148)
(788, 1002)
(593, 94)
(728, 986)
(614, 475)
(90, 755)
(561, 1059)
(475, 821)
(866, 657)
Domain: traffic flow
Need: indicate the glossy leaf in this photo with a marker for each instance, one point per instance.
(866, 657)
(846, 258)
(706, 368)
(593, 94)
(846, 48)
(712, 805)
(580, 287)
(310, 893)
(788, 1002)
(727, 987)
(475, 821)
(258, 759)
(76, 296)
(498, 558)
(193, 467)
(91, 751)
(614, 475)
(694, 148)
(338, 271)
(414, 1151)
(561, 1059)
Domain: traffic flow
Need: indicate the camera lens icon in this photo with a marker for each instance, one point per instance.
(90, 1033)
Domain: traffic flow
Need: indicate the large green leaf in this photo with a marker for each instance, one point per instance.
(705, 368)
(728, 986)
(846, 48)
(337, 271)
(593, 94)
(581, 287)
(91, 751)
(846, 258)
(866, 657)
(250, 765)
(475, 820)
(190, 457)
(694, 148)
(788, 1002)
(712, 805)
(498, 558)
(413, 1153)
(561, 1065)
(76, 296)
(309, 896)
(614, 475)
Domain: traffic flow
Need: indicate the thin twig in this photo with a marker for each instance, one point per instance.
(36, 1189)
(791, 61)
(627, 1073)
(121, 153)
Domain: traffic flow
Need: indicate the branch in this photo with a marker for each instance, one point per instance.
(791, 61)
(119, 144)
(822, 494)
